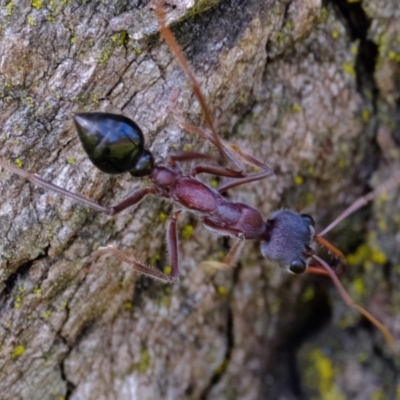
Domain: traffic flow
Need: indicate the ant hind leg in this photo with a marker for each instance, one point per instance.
(134, 198)
(172, 242)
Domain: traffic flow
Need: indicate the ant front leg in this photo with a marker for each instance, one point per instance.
(226, 149)
(136, 197)
(233, 255)
(177, 52)
(203, 168)
(235, 154)
(172, 243)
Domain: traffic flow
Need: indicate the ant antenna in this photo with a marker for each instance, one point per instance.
(384, 187)
(350, 302)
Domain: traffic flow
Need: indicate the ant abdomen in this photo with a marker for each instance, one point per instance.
(114, 143)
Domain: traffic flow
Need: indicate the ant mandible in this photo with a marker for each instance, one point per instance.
(115, 144)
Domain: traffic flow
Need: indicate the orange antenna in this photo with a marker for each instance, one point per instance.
(350, 302)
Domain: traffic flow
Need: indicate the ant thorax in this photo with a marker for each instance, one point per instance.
(288, 241)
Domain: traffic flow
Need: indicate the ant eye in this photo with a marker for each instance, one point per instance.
(309, 219)
(297, 267)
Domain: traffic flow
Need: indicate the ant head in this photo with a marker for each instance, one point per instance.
(113, 143)
(288, 239)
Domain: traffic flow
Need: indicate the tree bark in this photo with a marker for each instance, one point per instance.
(309, 88)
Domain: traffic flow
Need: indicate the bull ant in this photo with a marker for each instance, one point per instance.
(115, 144)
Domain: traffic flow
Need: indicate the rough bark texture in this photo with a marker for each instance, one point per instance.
(302, 85)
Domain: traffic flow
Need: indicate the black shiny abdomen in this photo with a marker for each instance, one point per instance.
(114, 143)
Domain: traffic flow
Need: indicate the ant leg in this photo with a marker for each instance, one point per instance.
(181, 156)
(349, 301)
(172, 243)
(230, 259)
(236, 153)
(134, 198)
(233, 255)
(208, 168)
(227, 150)
(384, 187)
(177, 52)
(237, 182)
(135, 264)
(215, 170)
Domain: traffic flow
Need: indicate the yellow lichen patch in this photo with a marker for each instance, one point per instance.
(187, 231)
(222, 367)
(365, 115)
(241, 99)
(10, 7)
(188, 147)
(335, 34)
(167, 270)
(18, 351)
(359, 256)
(73, 40)
(144, 362)
(214, 183)
(162, 216)
(378, 256)
(128, 305)
(308, 294)
(378, 395)
(382, 225)
(323, 15)
(354, 48)
(19, 163)
(362, 357)
(18, 302)
(359, 286)
(71, 160)
(298, 180)
(155, 258)
(37, 291)
(310, 198)
(95, 98)
(394, 56)
(325, 376)
(296, 108)
(348, 68)
(120, 38)
(36, 4)
(105, 56)
(30, 20)
(222, 290)
(47, 314)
